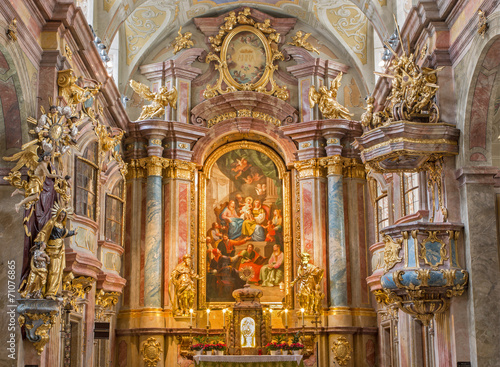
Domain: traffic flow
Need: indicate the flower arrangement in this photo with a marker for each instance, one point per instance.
(220, 346)
(273, 346)
(197, 346)
(295, 346)
(209, 347)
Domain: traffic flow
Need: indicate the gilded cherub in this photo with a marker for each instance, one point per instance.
(12, 30)
(71, 91)
(34, 285)
(182, 41)
(243, 17)
(159, 100)
(231, 21)
(38, 170)
(327, 100)
(300, 40)
(265, 27)
(482, 25)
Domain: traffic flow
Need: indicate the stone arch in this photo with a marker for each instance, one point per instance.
(478, 97)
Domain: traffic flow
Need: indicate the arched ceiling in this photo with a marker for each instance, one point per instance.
(143, 24)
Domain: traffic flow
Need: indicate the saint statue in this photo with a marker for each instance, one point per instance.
(52, 235)
(183, 278)
(308, 281)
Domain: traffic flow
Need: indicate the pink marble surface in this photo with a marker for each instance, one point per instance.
(183, 219)
(166, 238)
(307, 217)
(479, 112)
(122, 354)
(363, 266)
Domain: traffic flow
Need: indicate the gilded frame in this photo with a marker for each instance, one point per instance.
(226, 75)
(204, 176)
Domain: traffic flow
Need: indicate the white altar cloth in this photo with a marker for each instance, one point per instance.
(247, 360)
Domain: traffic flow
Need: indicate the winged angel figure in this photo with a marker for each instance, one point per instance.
(38, 170)
(327, 100)
(300, 40)
(159, 100)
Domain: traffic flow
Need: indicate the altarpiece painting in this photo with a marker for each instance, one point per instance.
(245, 220)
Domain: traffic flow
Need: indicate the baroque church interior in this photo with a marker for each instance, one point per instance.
(261, 183)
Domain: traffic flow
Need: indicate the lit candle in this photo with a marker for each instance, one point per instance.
(208, 317)
(286, 317)
(224, 318)
(191, 316)
(302, 310)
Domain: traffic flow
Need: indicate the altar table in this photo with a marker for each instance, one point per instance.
(248, 361)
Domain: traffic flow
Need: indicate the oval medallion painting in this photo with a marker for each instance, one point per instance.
(246, 58)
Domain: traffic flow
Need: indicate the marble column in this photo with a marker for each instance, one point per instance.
(479, 215)
(153, 245)
(312, 201)
(337, 253)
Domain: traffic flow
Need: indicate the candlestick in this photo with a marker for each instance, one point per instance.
(271, 318)
(191, 316)
(208, 317)
(224, 318)
(286, 317)
(302, 310)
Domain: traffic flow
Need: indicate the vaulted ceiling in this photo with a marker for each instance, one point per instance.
(143, 25)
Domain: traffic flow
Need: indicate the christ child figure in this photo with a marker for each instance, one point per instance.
(270, 232)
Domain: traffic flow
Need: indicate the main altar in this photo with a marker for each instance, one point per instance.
(248, 361)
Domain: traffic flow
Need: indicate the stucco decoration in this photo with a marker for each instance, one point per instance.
(142, 25)
(352, 25)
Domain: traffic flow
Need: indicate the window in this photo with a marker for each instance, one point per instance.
(86, 182)
(410, 193)
(382, 209)
(114, 214)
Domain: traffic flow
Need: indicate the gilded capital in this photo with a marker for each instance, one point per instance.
(181, 169)
(154, 165)
(135, 170)
(354, 169)
(310, 168)
(333, 164)
(103, 301)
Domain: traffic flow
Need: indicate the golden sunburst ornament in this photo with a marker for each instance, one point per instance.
(247, 273)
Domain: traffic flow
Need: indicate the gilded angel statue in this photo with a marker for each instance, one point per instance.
(38, 170)
(159, 100)
(327, 100)
(300, 40)
(182, 41)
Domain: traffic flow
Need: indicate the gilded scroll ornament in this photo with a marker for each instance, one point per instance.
(75, 289)
(391, 252)
(72, 92)
(308, 282)
(182, 41)
(151, 351)
(11, 31)
(309, 168)
(342, 351)
(326, 99)
(69, 53)
(183, 278)
(104, 301)
(31, 321)
(245, 53)
(159, 100)
(300, 40)
(482, 25)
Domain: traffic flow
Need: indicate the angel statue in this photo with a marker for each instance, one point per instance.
(182, 41)
(160, 100)
(300, 40)
(327, 100)
(107, 141)
(38, 170)
(308, 281)
(183, 278)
